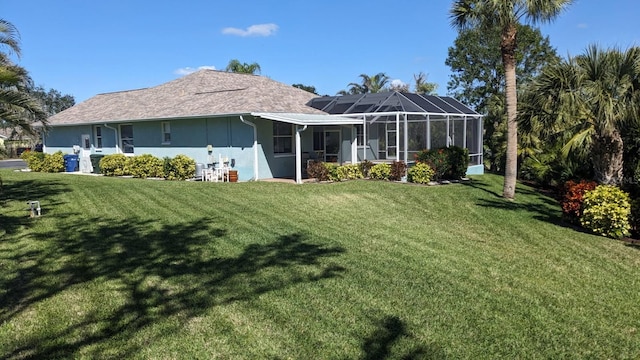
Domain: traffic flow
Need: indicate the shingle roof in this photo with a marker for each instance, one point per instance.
(203, 93)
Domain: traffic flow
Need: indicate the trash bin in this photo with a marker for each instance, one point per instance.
(95, 162)
(71, 162)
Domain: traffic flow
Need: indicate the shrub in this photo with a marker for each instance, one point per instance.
(317, 170)
(350, 172)
(448, 163)
(380, 171)
(365, 168)
(52, 163)
(398, 170)
(606, 211)
(634, 218)
(420, 173)
(146, 165)
(332, 171)
(114, 165)
(572, 198)
(180, 167)
(33, 159)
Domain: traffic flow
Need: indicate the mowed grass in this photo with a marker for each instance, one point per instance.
(127, 268)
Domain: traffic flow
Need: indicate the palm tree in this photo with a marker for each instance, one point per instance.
(236, 66)
(586, 102)
(368, 84)
(18, 109)
(484, 15)
(422, 86)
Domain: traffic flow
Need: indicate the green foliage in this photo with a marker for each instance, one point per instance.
(606, 211)
(350, 172)
(33, 159)
(181, 167)
(317, 170)
(398, 170)
(448, 163)
(420, 173)
(146, 165)
(53, 163)
(380, 171)
(114, 165)
(332, 171)
(572, 198)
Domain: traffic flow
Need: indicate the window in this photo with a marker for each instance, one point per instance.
(166, 133)
(360, 135)
(126, 138)
(282, 138)
(97, 137)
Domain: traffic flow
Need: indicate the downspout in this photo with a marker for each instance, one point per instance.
(255, 147)
(299, 155)
(115, 132)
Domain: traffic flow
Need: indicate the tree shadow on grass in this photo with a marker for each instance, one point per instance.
(388, 339)
(161, 272)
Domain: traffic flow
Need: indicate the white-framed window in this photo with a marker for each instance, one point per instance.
(360, 135)
(282, 138)
(126, 139)
(166, 132)
(97, 136)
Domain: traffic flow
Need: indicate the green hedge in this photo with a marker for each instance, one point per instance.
(420, 173)
(41, 162)
(143, 166)
(606, 211)
(448, 163)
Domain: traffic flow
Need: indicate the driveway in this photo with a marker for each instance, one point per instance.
(12, 164)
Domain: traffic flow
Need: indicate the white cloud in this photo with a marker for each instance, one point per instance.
(189, 70)
(253, 30)
(397, 83)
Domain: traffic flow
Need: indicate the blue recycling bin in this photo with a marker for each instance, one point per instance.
(71, 162)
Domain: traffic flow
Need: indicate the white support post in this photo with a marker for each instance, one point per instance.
(448, 133)
(354, 145)
(428, 132)
(365, 139)
(406, 139)
(397, 136)
(299, 155)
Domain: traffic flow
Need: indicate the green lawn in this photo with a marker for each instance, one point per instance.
(127, 268)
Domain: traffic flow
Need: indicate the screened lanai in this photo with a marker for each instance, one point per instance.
(397, 125)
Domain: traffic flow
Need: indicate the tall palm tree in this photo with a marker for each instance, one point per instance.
(586, 102)
(422, 86)
(18, 109)
(505, 15)
(236, 66)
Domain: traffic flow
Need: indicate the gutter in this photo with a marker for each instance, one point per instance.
(115, 132)
(255, 146)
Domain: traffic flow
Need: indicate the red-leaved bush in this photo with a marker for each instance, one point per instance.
(572, 198)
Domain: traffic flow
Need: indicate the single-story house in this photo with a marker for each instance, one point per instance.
(266, 128)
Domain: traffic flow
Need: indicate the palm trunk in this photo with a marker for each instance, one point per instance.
(508, 47)
(607, 157)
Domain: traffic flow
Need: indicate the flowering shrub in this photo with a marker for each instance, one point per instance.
(40, 162)
(420, 173)
(572, 198)
(350, 172)
(606, 211)
(448, 162)
(332, 171)
(380, 171)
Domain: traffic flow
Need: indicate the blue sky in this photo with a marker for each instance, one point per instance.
(84, 48)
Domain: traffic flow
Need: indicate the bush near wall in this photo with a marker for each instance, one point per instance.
(350, 172)
(380, 171)
(114, 165)
(448, 163)
(317, 170)
(145, 166)
(398, 170)
(180, 167)
(606, 211)
(420, 173)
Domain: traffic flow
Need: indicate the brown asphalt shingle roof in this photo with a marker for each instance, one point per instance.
(203, 93)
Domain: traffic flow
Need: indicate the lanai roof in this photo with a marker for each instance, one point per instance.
(391, 101)
(203, 93)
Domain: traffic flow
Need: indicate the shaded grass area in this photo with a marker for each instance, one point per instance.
(126, 268)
